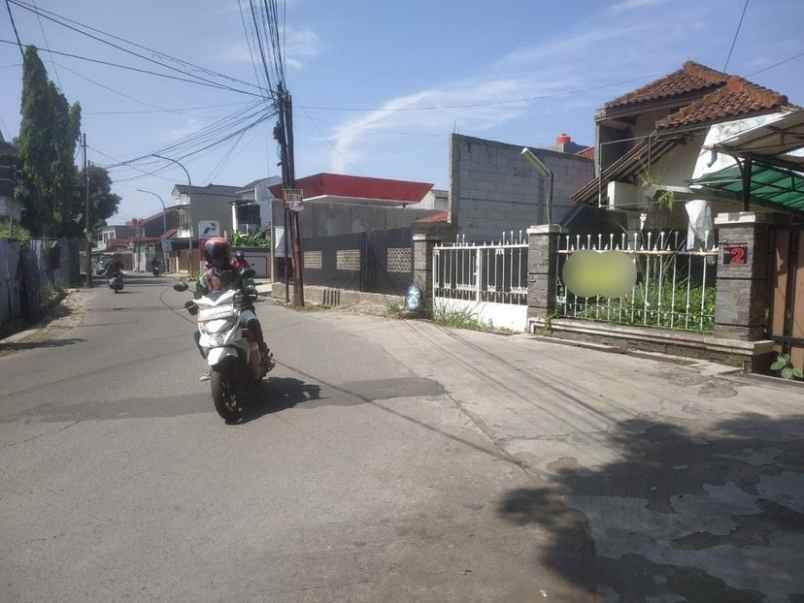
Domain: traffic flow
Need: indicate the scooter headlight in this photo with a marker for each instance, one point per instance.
(218, 326)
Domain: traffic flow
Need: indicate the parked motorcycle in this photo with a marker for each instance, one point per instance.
(155, 271)
(116, 282)
(236, 362)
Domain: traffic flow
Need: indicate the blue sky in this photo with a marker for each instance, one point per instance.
(379, 86)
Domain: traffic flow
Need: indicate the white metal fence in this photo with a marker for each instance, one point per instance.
(675, 286)
(487, 280)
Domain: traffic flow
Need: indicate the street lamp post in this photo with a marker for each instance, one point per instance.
(164, 221)
(544, 172)
(190, 208)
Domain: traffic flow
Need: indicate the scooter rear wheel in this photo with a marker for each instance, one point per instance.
(224, 395)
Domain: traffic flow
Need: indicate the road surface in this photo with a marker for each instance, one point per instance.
(386, 461)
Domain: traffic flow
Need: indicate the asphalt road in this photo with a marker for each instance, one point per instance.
(387, 461)
(352, 481)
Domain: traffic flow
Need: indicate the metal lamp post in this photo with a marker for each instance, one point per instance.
(544, 172)
(190, 208)
(164, 220)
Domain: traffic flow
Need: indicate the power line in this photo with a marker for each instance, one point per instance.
(64, 21)
(250, 45)
(139, 70)
(108, 88)
(736, 34)
(777, 64)
(165, 110)
(44, 37)
(14, 27)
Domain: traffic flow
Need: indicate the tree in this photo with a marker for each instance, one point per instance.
(48, 135)
(103, 202)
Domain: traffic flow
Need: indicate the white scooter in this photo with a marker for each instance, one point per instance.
(236, 362)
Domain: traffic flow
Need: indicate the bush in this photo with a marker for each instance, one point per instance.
(14, 232)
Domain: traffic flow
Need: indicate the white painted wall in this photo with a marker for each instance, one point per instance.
(506, 316)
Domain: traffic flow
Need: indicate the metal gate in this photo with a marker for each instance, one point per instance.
(786, 324)
(485, 282)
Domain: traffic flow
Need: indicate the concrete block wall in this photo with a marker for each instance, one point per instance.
(494, 189)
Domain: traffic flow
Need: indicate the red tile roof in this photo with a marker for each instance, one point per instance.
(588, 152)
(737, 98)
(360, 187)
(436, 218)
(692, 77)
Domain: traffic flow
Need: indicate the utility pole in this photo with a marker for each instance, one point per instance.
(87, 217)
(284, 135)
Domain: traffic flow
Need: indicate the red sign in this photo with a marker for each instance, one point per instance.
(735, 254)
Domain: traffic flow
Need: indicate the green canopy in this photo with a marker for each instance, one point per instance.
(771, 186)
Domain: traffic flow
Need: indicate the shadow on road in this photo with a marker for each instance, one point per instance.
(706, 517)
(39, 344)
(280, 393)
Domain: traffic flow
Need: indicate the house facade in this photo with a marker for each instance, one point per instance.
(653, 141)
(195, 204)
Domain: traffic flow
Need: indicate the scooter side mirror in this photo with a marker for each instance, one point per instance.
(180, 287)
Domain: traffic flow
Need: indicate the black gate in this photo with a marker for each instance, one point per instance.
(379, 261)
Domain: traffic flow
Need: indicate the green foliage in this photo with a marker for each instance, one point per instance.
(255, 240)
(783, 365)
(673, 313)
(15, 232)
(463, 319)
(103, 203)
(394, 309)
(47, 141)
(662, 199)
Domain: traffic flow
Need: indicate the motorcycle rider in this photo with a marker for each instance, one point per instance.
(221, 274)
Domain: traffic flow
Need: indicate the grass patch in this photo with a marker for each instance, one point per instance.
(465, 319)
(394, 309)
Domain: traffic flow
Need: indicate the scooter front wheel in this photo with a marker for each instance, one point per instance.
(224, 395)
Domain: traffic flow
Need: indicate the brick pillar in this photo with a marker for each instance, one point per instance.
(742, 295)
(425, 237)
(542, 248)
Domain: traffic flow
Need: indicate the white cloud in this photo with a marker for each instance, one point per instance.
(565, 70)
(626, 5)
(301, 46)
(467, 104)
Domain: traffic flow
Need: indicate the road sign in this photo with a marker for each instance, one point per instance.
(208, 229)
(294, 198)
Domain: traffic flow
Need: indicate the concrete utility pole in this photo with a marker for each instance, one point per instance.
(87, 217)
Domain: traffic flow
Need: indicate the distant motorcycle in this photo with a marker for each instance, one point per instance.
(116, 282)
(155, 270)
(236, 361)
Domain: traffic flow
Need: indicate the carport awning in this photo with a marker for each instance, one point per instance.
(780, 139)
(771, 186)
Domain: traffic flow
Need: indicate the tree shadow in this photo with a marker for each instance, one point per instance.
(679, 516)
(279, 393)
(43, 344)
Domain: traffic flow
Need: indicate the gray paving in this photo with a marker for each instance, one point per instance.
(387, 460)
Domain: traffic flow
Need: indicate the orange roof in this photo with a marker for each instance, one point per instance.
(436, 218)
(737, 98)
(588, 152)
(692, 77)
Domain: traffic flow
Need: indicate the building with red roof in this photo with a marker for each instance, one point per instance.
(655, 139)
